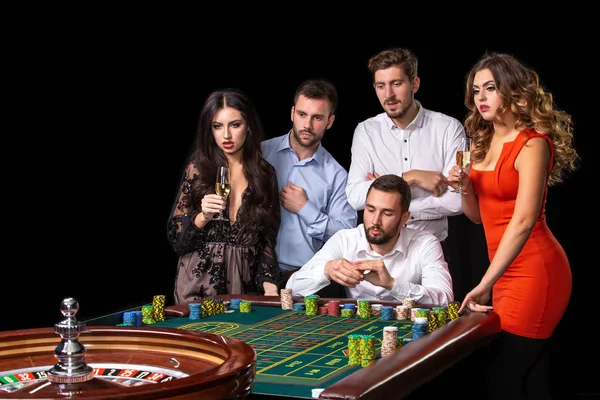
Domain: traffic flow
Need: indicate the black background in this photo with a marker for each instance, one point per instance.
(105, 123)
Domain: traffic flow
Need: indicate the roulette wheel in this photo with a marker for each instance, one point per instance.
(73, 361)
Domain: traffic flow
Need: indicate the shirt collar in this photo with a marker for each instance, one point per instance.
(319, 155)
(284, 143)
(401, 245)
(418, 121)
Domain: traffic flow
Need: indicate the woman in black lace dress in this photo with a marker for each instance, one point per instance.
(235, 256)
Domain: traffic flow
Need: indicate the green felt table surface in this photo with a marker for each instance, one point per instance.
(295, 352)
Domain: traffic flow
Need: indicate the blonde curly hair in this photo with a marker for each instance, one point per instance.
(520, 89)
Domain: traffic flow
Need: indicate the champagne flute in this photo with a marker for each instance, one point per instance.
(463, 160)
(222, 187)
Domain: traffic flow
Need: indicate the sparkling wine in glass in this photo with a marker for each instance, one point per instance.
(222, 187)
(463, 160)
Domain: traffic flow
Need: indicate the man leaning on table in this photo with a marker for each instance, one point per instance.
(381, 259)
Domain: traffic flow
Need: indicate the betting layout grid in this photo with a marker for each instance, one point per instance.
(306, 345)
(303, 349)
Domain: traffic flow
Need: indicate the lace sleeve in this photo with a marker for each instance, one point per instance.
(268, 267)
(182, 233)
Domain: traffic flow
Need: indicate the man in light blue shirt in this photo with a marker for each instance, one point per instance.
(313, 198)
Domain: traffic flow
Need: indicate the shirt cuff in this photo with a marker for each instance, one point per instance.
(415, 215)
(400, 290)
(322, 278)
(309, 213)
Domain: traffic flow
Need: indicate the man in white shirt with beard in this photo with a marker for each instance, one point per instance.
(381, 259)
(407, 140)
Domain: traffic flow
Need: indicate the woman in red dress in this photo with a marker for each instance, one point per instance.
(520, 144)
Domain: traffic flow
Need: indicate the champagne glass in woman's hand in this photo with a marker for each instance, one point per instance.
(222, 187)
(463, 159)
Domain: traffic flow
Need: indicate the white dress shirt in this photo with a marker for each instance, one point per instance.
(416, 263)
(428, 143)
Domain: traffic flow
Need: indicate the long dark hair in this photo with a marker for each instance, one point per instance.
(208, 156)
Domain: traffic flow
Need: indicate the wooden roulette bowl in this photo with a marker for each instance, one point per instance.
(123, 363)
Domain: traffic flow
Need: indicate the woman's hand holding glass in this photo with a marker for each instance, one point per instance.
(212, 204)
(463, 160)
(459, 180)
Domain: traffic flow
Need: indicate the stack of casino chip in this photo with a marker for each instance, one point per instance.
(453, 308)
(158, 307)
(209, 307)
(299, 307)
(138, 318)
(364, 309)
(195, 311)
(345, 312)
(219, 305)
(389, 343)
(148, 315)
(287, 301)
(350, 306)
(367, 350)
(413, 313)
(416, 312)
(245, 306)
(376, 310)
(419, 328)
(323, 310)
(354, 357)
(409, 303)
(432, 322)
(387, 313)
(333, 308)
(234, 304)
(129, 318)
(442, 315)
(311, 303)
(402, 312)
(422, 313)
(212, 306)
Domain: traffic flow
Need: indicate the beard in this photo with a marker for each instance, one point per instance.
(306, 142)
(399, 112)
(382, 238)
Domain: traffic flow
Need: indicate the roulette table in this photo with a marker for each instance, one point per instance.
(265, 353)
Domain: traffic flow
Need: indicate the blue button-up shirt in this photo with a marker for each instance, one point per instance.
(327, 211)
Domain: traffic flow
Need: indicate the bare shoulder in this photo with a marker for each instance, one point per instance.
(534, 154)
(537, 146)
